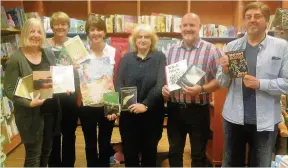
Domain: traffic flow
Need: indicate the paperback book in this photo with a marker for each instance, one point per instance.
(24, 87)
(63, 79)
(128, 97)
(95, 79)
(76, 50)
(42, 83)
(191, 77)
(238, 67)
(111, 103)
(173, 74)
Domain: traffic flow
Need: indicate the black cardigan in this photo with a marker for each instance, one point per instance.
(152, 71)
(29, 121)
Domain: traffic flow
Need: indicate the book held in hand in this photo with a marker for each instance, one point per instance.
(191, 77)
(238, 67)
(128, 97)
(111, 103)
(76, 50)
(24, 87)
(174, 72)
(63, 79)
(42, 83)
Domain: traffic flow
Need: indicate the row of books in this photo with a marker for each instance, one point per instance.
(12, 17)
(9, 44)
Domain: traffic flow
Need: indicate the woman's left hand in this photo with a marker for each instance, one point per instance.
(137, 108)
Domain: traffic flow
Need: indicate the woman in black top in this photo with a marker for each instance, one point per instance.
(141, 126)
(34, 118)
(63, 152)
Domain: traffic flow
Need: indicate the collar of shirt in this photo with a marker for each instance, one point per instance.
(148, 56)
(92, 54)
(262, 45)
(196, 45)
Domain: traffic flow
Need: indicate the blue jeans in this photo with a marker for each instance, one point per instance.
(261, 145)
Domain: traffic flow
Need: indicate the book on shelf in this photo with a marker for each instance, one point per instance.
(76, 50)
(191, 77)
(120, 44)
(174, 72)
(42, 84)
(95, 80)
(63, 79)
(24, 87)
(128, 97)
(238, 67)
(111, 103)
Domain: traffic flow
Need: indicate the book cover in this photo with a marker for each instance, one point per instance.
(24, 87)
(76, 50)
(238, 67)
(42, 83)
(63, 58)
(129, 23)
(111, 103)
(128, 97)
(96, 78)
(63, 79)
(191, 77)
(173, 73)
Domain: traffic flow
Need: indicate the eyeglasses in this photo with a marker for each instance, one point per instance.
(256, 17)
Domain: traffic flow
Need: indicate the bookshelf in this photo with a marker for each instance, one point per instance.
(16, 139)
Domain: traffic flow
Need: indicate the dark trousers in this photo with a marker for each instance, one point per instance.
(192, 119)
(140, 134)
(63, 152)
(37, 154)
(260, 144)
(91, 118)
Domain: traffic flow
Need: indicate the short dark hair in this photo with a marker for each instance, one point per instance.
(95, 21)
(258, 5)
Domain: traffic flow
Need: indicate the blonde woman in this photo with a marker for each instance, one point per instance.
(60, 25)
(141, 127)
(33, 119)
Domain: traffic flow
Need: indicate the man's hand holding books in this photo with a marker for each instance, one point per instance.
(224, 62)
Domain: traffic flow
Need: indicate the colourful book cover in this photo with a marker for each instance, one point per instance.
(42, 83)
(238, 67)
(96, 78)
(120, 44)
(111, 103)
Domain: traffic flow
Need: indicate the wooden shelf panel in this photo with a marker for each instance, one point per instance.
(166, 7)
(75, 9)
(8, 31)
(214, 12)
(114, 7)
(15, 141)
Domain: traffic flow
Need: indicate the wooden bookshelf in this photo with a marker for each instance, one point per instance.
(9, 147)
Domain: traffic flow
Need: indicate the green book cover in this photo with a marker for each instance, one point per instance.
(111, 103)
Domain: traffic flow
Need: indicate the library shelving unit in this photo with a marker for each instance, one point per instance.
(228, 13)
(16, 139)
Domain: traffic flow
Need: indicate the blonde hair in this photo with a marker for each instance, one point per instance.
(59, 16)
(147, 28)
(26, 29)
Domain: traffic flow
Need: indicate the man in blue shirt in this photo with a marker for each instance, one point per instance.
(252, 108)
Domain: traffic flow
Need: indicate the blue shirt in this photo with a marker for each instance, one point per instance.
(272, 72)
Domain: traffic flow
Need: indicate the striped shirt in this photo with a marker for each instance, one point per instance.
(204, 55)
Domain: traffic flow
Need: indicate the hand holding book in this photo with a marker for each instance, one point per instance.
(37, 101)
(224, 62)
(192, 91)
(137, 108)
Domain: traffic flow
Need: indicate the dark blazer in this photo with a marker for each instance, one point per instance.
(153, 71)
(29, 121)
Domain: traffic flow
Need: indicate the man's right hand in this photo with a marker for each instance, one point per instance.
(165, 92)
(224, 62)
(37, 101)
